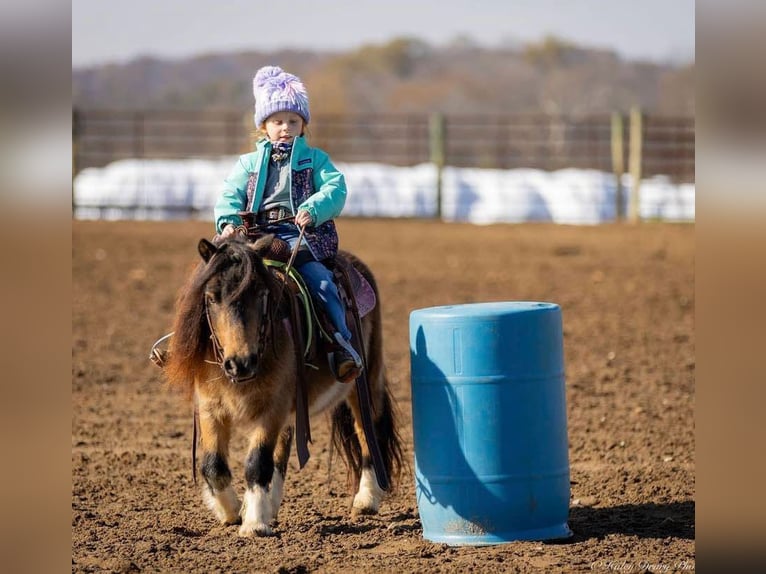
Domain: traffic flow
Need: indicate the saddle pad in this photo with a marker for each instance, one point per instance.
(363, 292)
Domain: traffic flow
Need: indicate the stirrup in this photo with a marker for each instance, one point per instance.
(159, 356)
(351, 373)
(349, 348)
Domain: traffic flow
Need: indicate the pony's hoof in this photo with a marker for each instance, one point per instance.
(367, 500)
(251, 530)
(357, 511)
(364, 505)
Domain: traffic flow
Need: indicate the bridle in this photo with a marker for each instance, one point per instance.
(264, 333)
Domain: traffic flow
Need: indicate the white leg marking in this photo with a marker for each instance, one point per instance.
(277, 492)
(256, 512)
(367, 500)
(225, 504)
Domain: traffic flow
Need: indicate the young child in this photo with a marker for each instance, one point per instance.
(285, 177)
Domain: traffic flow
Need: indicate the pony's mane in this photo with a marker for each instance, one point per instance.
(240, 267)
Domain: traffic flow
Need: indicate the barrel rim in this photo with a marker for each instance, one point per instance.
(486, 309)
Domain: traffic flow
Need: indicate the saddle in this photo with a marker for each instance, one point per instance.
(355, 291)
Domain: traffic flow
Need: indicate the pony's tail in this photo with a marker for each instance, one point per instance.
(386, 429)
(346, 441)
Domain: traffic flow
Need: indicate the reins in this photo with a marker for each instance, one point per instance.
(302, 427)
(217, 351)
(290, 262)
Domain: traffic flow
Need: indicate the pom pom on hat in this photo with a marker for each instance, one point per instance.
(277, 91)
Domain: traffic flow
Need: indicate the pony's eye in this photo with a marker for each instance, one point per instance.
(210, 298)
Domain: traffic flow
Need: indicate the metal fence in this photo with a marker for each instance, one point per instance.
(650, 144)
(667, 145)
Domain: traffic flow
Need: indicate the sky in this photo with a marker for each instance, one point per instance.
(116, 31)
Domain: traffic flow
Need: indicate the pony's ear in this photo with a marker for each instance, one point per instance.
(206, 249)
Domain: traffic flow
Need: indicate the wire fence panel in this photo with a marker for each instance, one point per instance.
(669, 147)
(103, 136)
(399, 140)
(484, 141)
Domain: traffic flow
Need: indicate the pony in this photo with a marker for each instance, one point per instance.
(233, 354)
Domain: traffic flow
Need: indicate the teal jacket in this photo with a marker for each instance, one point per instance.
(316, 185)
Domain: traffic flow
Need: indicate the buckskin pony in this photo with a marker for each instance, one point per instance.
(233, 352)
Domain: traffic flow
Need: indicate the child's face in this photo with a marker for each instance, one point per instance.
(284, 126)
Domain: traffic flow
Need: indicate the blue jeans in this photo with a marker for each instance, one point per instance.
(319, 280)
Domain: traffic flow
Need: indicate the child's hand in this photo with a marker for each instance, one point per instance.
(228, 230)
(303, 219)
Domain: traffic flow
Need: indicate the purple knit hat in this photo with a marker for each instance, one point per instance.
(277, 91)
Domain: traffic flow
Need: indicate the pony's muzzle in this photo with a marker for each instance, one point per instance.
(240, 369)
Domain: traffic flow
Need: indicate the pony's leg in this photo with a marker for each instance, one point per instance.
(281, 456)
(369, 496)
(218, 492)
(348, 432)
(258, 507)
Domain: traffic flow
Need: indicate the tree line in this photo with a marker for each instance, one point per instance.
(405, 75)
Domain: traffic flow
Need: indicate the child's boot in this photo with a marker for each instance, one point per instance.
(345, 361)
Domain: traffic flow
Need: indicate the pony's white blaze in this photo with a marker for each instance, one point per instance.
(367, 500)
(225, 506)
(257, 512)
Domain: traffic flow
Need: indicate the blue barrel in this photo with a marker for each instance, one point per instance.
(489, 422)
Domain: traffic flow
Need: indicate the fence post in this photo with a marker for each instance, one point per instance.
(618, 163)
(635, 159)
(437, 134)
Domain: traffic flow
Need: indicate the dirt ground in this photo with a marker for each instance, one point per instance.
(627, 299)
